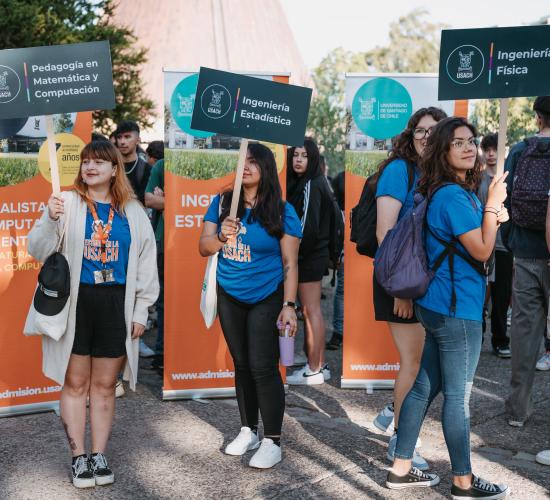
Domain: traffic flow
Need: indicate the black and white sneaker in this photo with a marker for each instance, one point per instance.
(415, 478)
(480, 489)
(102, 472)
(83, 477)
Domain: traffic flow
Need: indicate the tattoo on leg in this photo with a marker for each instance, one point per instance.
(72, 443)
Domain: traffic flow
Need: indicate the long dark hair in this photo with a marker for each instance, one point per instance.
(403, 145)
(269, 207)
(295, 184)
(434, 162)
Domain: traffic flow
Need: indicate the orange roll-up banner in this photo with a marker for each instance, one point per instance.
(197, 165)
(378, 107)
(24, 190)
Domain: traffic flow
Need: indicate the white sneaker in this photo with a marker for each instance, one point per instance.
(326, 372)
(543, 457)
(144, 350)
(267, 456)
(543, 364)
(119, 389)
(305, 376)
(246, 440)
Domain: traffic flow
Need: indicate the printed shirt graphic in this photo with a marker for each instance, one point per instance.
(453, 211)
(250, 265)
(117, 247)
(394, 182)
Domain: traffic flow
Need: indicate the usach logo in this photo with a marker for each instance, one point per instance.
(215, 101)
(10, 84)
(465, 64)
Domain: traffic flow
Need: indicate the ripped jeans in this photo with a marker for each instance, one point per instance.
(449, 361)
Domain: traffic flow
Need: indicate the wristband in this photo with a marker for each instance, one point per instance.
(218, 235)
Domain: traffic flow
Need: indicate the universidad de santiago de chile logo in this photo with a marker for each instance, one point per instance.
(10, 84)
(465, 64)
(215, 101)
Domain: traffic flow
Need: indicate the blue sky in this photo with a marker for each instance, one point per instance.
(359, 25)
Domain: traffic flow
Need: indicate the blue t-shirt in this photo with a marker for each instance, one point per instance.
(250, 266)
(394, 182)
(117, 247)
(453, 211)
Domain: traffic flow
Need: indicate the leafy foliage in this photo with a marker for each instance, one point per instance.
(16, 170)
(31, 23)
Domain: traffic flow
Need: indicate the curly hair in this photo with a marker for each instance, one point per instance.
(435, 164)
(403, 145)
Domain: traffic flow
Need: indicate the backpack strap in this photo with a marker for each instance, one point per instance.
(410, 174)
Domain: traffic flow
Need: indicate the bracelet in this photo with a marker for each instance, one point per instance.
(488, 211)
(218, 235)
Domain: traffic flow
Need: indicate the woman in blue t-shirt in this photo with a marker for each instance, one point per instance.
(257, 281)
(451, 310)
(109, 245)
(397, 179)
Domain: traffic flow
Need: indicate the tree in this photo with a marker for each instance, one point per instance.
(31, 23)
(521, 118)
(413, 48)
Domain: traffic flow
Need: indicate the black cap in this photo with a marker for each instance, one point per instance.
(54, 285)
(542, 104)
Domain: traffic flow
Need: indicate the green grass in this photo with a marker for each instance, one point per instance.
(16, 170)
(201, 165)
(363, 163)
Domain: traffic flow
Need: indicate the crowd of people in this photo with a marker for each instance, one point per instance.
(486, 240)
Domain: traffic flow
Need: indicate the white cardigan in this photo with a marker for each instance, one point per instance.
(142, 286)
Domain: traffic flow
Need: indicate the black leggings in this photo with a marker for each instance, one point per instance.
(250, 331)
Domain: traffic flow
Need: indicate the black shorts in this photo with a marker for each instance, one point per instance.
(312, 268)
(100, 329)
(383, 305)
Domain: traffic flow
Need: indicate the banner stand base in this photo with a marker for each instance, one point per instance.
(368, 384)
(222, 392)
(12, 411)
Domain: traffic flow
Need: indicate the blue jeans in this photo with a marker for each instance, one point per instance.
(338, 305)
(449, 361)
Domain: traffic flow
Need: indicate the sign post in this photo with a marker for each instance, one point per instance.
(251, 108)
(491, 63)
(55, 79)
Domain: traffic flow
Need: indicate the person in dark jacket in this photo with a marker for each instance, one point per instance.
(309, 193)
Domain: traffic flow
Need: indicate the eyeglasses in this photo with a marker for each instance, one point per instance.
(463, 143)
(420, 133)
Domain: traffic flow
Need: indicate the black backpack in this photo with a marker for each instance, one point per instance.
(363, 216)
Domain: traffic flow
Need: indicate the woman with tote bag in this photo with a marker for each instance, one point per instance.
(110, 249)
(257, 276)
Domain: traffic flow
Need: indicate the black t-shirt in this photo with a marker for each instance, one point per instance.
(138, 174)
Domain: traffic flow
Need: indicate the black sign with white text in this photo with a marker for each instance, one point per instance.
(55, 79)
(494, 63)
(253, 108)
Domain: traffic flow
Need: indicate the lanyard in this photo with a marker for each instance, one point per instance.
(103, 232)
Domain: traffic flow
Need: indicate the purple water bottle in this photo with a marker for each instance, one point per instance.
(286, 345)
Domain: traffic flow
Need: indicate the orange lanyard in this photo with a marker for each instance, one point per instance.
(103, 232)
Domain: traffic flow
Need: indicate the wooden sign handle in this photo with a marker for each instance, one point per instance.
(52, 154)
(502, 128)
(238, 178)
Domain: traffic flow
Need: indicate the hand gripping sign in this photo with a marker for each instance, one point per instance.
(251, 108)
(55, 79)
(495, 63)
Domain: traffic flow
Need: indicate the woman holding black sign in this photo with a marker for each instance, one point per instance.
(111, 281)
(257, 278)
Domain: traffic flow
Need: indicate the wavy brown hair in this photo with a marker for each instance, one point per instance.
(121, 189)
(403, 144)
(435, 163)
